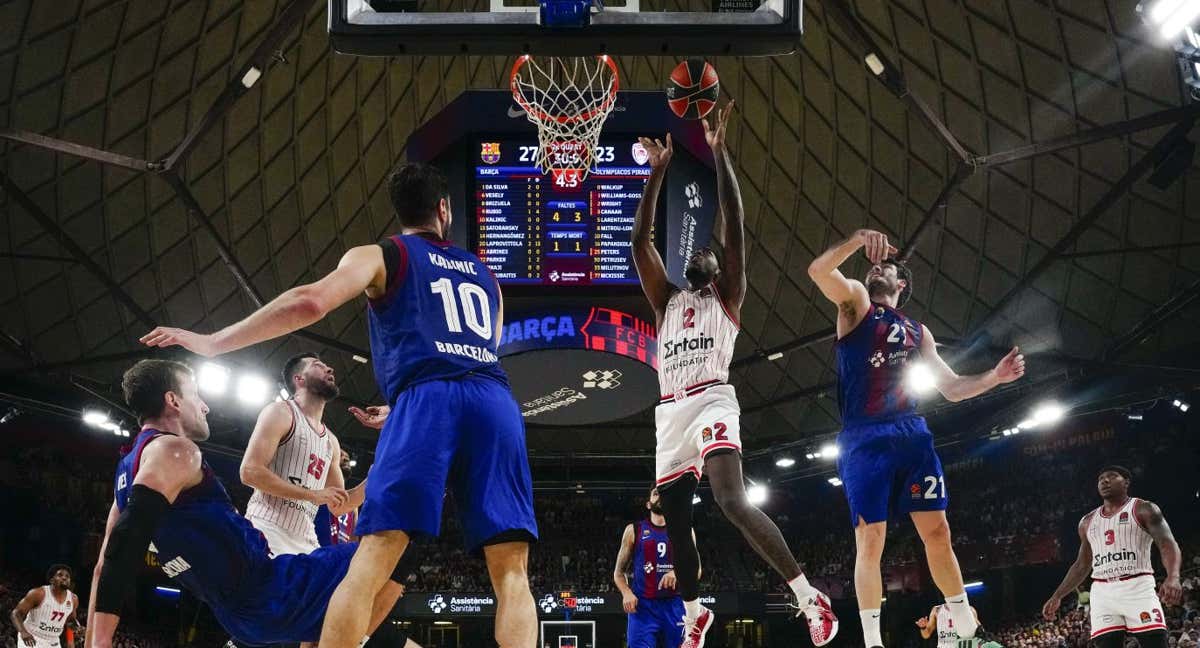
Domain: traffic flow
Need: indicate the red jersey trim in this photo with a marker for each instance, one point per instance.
(1148, 628)
(1135, 515)
(291, 430)
(1100, 510)
(724, 307)
(676, 475)
(687, 391)
(399, 274)
(1097, 633)
(717, 446)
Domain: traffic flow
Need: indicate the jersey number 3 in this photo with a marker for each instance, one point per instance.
(1110, 537)
(473, 301)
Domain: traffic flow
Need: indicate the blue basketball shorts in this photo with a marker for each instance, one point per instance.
(890, 465)
(657, 623)
(465, 433)
(285, 600)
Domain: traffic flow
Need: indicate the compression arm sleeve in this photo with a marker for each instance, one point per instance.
(127, 545)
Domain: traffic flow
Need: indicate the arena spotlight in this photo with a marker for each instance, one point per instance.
(834, 481)
(810, 456)
(1182, 406)
(353, 462)
(696, 499)
(95, 418)
(785, 462)
(1169, 17)
(756, 494)
(253, 390)
(212, 378)
(829, 451)
(973, 585)
(1048, 413)
(920, 379)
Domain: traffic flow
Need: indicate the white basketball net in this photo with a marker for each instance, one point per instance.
(568, 99)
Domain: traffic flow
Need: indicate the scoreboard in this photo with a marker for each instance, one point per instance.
(556, 229)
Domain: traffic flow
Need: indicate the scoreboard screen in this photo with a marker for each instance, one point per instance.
(556, 229)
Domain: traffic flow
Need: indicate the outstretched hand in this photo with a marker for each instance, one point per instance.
(165, 336)
(660, 154)
(875, 245)
(1011, 366)
(715, 134)
(372, 417)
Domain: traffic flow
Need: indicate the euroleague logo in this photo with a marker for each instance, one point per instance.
(602, 379)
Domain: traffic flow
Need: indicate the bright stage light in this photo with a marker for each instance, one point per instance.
(212, 378)
(1048, 413)
(785, 462)
(95, 417)
(253, 390)
(757, 494)
(829, 451)
(834, 481)
(920, 379)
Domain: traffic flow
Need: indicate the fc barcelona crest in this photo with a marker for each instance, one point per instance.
(490, 152)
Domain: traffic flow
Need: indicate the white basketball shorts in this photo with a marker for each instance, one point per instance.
(1129, 605)
(687, 430)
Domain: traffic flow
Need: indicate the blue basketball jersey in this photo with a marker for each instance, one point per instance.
(437, 319)
(202, 542)
(653, 556)
(872, 360)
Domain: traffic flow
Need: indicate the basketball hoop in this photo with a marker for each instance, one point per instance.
(568, 99)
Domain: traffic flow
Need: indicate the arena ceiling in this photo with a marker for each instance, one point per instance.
(290, 174)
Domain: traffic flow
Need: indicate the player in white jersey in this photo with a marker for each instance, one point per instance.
(45, 611)
(942, 622)
(292, 464)
(698, 417)
(1114, 548)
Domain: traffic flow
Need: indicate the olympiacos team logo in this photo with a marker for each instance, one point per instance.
(640, 155)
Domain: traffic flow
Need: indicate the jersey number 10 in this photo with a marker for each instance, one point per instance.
(473, 300)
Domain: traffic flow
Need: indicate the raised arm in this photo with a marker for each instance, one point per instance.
(1079, 570)
(849, 295)
(360, 270)
(730, 215)
(647, 260)
(928, 625)
(1151, 518)
(273, 426)
(168, 466)
(624, 555)
(955, 387)
(32, 599)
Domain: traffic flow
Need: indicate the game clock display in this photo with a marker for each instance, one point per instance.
(559, 228)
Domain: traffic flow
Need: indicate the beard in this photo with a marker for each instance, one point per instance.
(656, 509)
(880, 287)
(697, 276)
(324, 389)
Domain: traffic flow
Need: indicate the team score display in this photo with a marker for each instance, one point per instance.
(603, 154)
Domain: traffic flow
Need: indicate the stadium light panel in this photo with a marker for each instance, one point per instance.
(829, 451)
(757, 494)
(785, 462)
(920, 379)
(94, 417)
(212, 378)
(253, 390)
(1048, 413)
(834, 481)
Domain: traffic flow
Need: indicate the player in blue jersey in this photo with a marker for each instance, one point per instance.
(883, 442)
(435, 315)
(167, 497)
(652, 603)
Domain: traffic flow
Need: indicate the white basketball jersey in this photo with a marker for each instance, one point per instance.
(304, 458)
(1120, 546)
(947, 637)
(46, 621)
(695, 341)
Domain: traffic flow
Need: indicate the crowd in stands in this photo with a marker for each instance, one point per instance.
(1010, 505)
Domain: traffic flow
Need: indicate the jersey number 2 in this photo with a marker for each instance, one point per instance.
(897, 333)
(473, 299)
(689, 318)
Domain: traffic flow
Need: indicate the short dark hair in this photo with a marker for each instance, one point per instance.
(415, 190)
(146, 382)
(1120, 470)
(54, 569)
(291, 368)
(902, 272)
